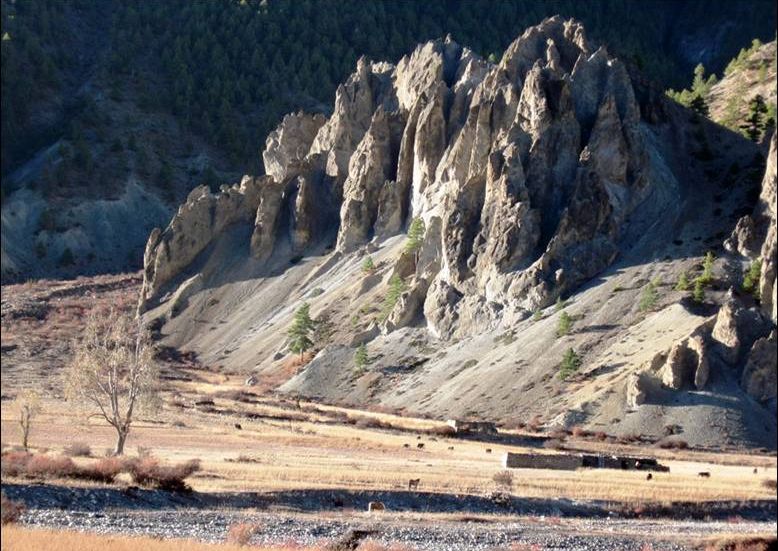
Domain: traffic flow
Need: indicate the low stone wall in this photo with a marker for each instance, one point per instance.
(571, 462)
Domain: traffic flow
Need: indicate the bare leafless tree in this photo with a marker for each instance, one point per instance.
(28, 402)
(113, 370)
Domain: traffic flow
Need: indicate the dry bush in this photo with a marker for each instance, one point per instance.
(11, 510)
(673, 444)
(559, 434)
(104, 470)
(444, 430)
(365, 422)
(147, 471)
(554, 444)
(770, 484)
(78, 449)
(503, 479)
(44, 466)
(535, 424)
(601, 436)
(580, 432)
(14, 463)
(241, 533)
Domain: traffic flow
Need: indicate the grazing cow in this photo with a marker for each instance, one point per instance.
(418, 437)
(703, 474)
(413, 484)
(488, 450)
(420, 445)
(237, 426)
(450, 448)
(406, 445)
(649, 476)
(756, 470)
(374, 506)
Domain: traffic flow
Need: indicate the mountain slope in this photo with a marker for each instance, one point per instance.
(549, 185)
(99, 97)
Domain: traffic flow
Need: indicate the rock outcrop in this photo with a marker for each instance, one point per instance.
(760, 375)
(527, 176)
(687, 364)
(767, 216)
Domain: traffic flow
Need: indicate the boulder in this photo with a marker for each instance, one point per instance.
(760, 375)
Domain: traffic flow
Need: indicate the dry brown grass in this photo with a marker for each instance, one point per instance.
(24, 539)
(11, 510)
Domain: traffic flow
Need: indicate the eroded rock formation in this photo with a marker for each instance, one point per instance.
(524, 174)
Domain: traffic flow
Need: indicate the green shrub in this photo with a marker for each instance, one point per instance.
(570, 364)
(683, 283)
(751, 278)
(564, 325)
(415, 235)
(368, 267)
(699, 291)
(361, 358)
(396, 288)
(649, 297)
(707, 269)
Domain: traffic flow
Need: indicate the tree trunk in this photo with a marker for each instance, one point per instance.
(122, 437)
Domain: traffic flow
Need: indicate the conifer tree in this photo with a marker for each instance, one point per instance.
(300, 330)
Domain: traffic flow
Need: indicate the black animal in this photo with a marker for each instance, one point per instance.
(649, 476)
(406, 445)
(237, 426)
(703, 474)
(756, 470)
(451, 448)
(488, 450)
(413, 483)
(420, 445)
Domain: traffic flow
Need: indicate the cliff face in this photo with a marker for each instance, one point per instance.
(546, 178)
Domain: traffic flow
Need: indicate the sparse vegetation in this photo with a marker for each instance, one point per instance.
(300, 332)
(571, 362)
(755, 125)
(28, 403)
(113, 371)
(537, 315)
(503, 480)
(77, 449)
(361, 358)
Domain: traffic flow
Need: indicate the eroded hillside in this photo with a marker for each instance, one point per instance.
(550, 186)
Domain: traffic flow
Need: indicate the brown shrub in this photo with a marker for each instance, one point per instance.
(147, 471)
(770, 484)
(580, 432)
(104, 470)
(78, 449)
(366, 422)
(443, 430)
(14, 463)
(10, 510)
(535, 423)
(601, 436)
(44, 466)
(559, 434)
(673, 444)
(743, 543)
(241, 533)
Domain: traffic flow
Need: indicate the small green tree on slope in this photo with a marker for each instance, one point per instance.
(301, 329)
